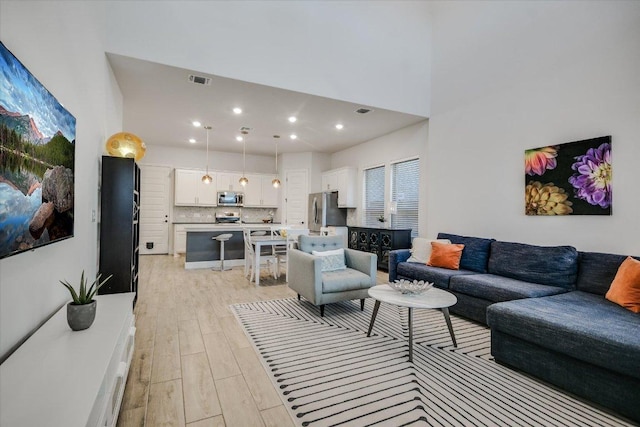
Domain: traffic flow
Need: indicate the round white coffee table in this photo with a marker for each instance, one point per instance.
(433, 298)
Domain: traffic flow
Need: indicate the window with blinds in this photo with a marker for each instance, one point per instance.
(405, 182)
(373, 195)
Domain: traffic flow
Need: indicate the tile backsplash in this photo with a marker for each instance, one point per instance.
(194, 214)
(352, 217)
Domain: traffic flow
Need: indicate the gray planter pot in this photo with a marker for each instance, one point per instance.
(80, 317)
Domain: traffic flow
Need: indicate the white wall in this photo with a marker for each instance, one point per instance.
(409, 142)
(196, 159)
(508, 76)
(61, 44)
(372, 53)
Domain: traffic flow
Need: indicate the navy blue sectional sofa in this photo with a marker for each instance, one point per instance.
(547, 313)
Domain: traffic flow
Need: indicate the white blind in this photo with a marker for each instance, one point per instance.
(373, 195)
(405, 180)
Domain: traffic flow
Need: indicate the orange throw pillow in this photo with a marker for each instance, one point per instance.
(625, 288)
(445, 255)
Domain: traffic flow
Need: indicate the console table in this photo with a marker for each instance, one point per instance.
(59, 377)
(379, 241)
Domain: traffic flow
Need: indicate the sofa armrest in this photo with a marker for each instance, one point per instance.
(305, 275)
(364, 262)
(396, 257)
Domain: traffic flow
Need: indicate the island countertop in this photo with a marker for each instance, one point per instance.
(220, 226)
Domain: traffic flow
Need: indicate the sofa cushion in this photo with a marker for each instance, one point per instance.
(445, 255)
(344, 280)
(625, 289)
(497, 288)
(578, 324)
(546, 265)
(421, 249)
(319, 243)
(436, 275)
(596, 271)
(476, 251)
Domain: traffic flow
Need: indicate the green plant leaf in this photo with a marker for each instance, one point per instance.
(99, 285)
(85, 295)
(74, 295)
(83, 289)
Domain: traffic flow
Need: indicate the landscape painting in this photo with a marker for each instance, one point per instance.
(37, 151)
(569, 179)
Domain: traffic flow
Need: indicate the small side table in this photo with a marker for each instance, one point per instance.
(433, 298)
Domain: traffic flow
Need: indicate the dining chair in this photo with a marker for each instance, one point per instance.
(292, 235)
(271, 261)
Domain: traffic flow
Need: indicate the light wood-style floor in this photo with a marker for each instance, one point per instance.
(192, 363)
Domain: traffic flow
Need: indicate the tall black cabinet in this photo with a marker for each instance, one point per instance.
(379, 241)
(119, 224)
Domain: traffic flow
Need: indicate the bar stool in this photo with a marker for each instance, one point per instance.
(222, 238)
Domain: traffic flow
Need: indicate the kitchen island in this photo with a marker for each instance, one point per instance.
(203, 251)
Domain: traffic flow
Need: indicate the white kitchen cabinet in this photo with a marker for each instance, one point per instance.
(179, 240)
(229, 181)
(344, 181)
(260, 193)
(270, 194)
(330, 181)
(189, 190)
(253, 191)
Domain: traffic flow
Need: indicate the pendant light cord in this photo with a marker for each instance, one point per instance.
(207, 128)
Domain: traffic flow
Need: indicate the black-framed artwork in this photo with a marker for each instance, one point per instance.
(569, 179)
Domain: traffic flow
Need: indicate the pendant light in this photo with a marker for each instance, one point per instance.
(243, 180)
(206, 178)
(276, 181)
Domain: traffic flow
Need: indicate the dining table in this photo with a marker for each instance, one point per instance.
(259, 242)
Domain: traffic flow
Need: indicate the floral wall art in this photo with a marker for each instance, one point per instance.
(569, 179)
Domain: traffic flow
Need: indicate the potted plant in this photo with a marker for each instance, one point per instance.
(81, 312)
(381, 218)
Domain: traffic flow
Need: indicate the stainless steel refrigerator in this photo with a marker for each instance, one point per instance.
(324, 211)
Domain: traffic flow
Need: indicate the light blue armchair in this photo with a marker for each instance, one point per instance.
(320, 288)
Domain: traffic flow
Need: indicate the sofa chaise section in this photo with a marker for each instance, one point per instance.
(578, 341)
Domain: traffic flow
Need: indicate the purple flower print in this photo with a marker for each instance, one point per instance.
(592, 180)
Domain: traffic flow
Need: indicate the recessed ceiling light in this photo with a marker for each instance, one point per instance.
(293, 136)
(339, 126)
(237, 110)
(196, 123)
(293, 119)
(191, 140)
(239, 138)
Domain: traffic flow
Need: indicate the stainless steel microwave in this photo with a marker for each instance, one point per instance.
(230, 198)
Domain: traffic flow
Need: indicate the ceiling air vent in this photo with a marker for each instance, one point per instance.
(363, 110)
(200, 80)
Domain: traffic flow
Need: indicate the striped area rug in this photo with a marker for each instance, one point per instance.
(330, 374)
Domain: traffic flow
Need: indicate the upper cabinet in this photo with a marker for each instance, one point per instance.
(259, 192)
(191, 191)
(344, 181)
(229, 181)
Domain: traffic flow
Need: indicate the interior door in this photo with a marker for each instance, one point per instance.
(155, 196)
(296, 194)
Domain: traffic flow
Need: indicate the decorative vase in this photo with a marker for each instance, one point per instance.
(81, 316)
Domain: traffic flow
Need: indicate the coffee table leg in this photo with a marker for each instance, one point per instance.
(445, 311)
(410, 334)
(373, 317)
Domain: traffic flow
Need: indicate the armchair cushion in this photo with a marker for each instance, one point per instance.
(344, 280)
(331, 260)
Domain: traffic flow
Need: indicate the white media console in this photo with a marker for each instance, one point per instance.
(59, 377)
